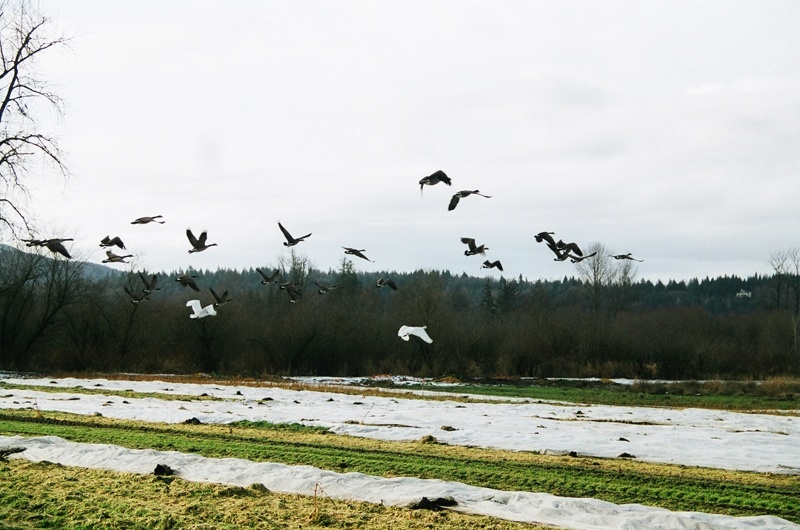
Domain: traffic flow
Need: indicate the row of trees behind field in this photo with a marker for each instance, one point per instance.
(64, 315)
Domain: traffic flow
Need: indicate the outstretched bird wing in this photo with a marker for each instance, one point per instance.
(217, 297)
(193, 240)
(286, 233)
(453, 202)
(469, 242)
(268, 279)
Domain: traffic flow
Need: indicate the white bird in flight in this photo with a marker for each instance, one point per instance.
(419, 331)
(199, 311)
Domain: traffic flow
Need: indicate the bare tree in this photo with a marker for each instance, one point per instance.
(793, 268)
(778, 260)
(23, 95)
(35, 291)
(597, 274)
(624, 275)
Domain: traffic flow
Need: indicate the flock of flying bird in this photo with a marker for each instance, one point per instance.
(561, 249)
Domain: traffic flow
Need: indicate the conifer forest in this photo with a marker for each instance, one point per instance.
(71, 316)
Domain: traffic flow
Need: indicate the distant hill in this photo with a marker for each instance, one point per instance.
(91, 271)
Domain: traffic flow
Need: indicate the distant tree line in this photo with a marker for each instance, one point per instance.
(66, 315)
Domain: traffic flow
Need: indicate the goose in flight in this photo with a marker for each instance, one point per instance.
(34, 242)
(188, 281)
(146, 219)
(626, 256)
(473, 248)
(136, 297)
(149, 285)
(322, 289)
(461, 194)
(109, 241)
(268, 279)
(406, 331)
(561, 255)
(569, 247)
(294, 292)
(434, 178)
(219, 299)
(356, 252)
(114, 258)
(578, 259)
(386, 282)
(545, 236)
(55, 245)
(200, 312)
(492, 265)
(291, 241)
(198, 243)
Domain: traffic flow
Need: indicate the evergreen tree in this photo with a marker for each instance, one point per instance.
(347, 278)
(488, 304)
(507, 296)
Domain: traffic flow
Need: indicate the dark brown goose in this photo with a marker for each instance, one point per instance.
(545, 236)
(461, 194)
(268, 279)
(578, 259)
(136, 297)
(356, 252)
(198, 243)
(220, 299)
(434, 178)
(149, 285)
(291, 241)
(560, 255)
(473, 248)
(492, 265)
(188, 281)
(34, 242)
(386, 282)
(569, 247)
(109, 241)
(322, 289)
(145, 220)
(626, 256)
(294, 292)
(57, 246)
(114, 258)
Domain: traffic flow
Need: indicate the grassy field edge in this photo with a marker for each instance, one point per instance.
(621, 481)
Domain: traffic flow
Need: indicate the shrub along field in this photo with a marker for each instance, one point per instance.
(55, 316)
(177, 504)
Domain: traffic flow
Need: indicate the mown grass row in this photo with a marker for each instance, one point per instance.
(43, 495)
(620, 481)
(781, 395)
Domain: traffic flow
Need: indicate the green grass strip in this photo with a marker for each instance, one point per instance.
(639, 395)
(620, 481)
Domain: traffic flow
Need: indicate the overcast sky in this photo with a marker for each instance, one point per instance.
(667, 129)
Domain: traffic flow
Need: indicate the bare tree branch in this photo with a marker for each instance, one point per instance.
(23, 37)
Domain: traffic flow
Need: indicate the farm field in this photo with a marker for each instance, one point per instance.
(564, 465)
